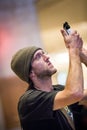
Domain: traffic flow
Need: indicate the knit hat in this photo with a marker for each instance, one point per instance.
(21, 62)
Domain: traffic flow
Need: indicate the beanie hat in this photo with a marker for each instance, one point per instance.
(21, 62)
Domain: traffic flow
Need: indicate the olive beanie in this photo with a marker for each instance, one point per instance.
(21, 62)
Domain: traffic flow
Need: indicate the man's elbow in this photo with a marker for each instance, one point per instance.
(78, 95)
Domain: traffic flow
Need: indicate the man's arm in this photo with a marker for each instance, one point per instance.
(84, 99)
(73, 91)
(83, 56)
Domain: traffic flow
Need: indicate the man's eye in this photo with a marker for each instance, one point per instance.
(38, 56)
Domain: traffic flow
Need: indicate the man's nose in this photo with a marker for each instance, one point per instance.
(45, 56)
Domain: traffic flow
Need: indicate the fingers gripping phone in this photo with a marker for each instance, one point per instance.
(67, 28)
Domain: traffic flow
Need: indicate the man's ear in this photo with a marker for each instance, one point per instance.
(31, 74)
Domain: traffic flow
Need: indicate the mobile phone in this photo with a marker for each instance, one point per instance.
(67, 28)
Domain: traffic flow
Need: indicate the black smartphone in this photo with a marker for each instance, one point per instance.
(67, 28)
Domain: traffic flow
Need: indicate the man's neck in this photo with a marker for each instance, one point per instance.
(44, 84)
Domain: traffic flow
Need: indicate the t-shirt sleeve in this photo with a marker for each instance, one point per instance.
(40, 105)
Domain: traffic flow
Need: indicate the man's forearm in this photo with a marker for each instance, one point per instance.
(75, 75)
(83, 56)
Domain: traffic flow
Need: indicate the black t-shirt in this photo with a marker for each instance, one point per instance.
(35, 110)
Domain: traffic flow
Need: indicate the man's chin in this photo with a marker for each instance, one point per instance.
(54, 71)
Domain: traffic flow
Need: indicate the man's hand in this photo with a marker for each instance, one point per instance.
(72, 40)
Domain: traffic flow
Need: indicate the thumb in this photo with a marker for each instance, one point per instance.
(64, 34)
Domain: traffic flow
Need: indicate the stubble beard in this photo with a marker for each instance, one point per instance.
(46, 73)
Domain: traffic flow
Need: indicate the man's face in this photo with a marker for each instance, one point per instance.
(41, 64)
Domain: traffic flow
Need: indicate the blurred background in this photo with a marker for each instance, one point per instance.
(34, 22)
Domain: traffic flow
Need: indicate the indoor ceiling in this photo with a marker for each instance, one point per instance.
(53, 13)
(51, 16)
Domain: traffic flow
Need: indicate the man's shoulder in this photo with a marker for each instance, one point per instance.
(58, 87)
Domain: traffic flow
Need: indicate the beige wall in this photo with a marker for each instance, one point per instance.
(51, 16)
(10, 91)
(53, 13)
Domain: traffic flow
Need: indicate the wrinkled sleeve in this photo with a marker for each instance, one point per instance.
(38, 105)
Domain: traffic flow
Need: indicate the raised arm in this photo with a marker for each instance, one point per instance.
(84, 99)
(83, 56)
(73, 91)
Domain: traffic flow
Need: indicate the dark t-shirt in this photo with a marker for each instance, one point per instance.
(35, 110)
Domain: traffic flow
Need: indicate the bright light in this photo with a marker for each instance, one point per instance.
(60, 60)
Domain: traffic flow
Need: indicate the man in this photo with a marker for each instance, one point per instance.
(44, 106)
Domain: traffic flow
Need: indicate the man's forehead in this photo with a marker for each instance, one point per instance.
(39, 50)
